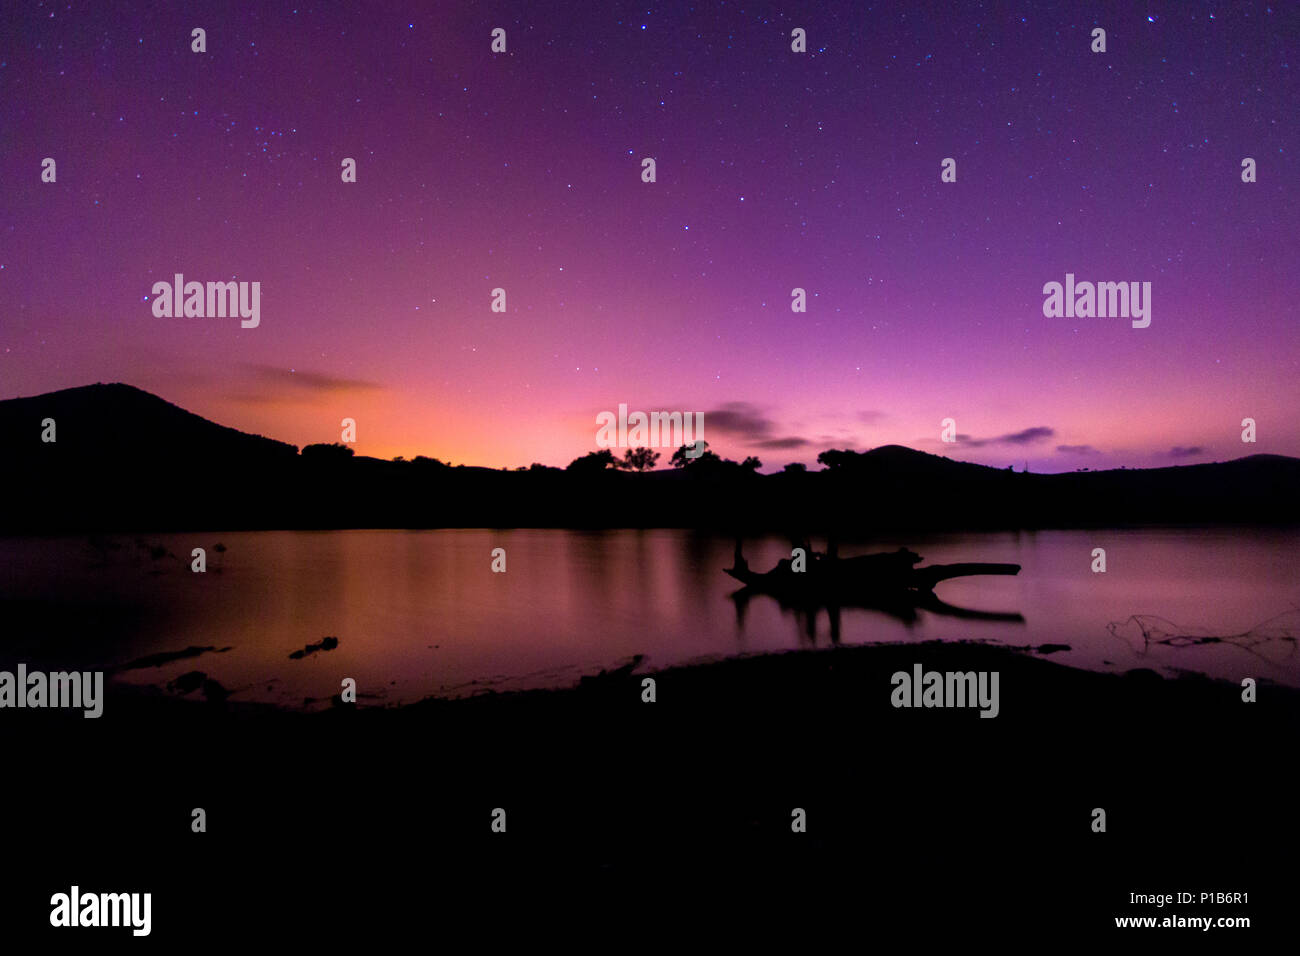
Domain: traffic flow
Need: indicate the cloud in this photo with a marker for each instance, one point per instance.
(746, 423)
(742, 420)
(1077, 450)
(276, 375)
(1180, 451)
(842, 440)
(871, 417)
(1027, 436)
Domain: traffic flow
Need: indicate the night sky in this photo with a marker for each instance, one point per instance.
(775, 170)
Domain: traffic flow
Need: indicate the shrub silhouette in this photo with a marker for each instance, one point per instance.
(592, 463)
(322, 452)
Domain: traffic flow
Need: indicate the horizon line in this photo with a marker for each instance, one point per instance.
(399, 459)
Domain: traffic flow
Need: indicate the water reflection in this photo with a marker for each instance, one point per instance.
(418, 613)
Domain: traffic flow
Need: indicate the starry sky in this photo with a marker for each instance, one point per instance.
(775, 170)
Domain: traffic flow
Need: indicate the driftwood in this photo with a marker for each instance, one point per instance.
(889, 580)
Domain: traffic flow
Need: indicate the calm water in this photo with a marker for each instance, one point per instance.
(420, 613)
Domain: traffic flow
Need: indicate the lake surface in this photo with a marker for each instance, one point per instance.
(420, 613)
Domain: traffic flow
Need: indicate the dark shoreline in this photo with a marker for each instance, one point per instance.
(831, 679)
(690, 797)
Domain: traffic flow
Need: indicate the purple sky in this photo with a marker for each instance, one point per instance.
(775, 170)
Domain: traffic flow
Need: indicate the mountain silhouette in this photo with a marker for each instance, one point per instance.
(105, 422)
(125, 459)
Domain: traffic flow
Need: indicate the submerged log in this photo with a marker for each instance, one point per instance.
(827, 576)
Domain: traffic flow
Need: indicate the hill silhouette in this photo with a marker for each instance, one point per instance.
(125, 459)
(106, 422)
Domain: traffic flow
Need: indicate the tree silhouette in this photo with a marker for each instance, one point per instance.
(638, 459)
(592, 462)
(680, 459)
(714, 466)
(836, 460)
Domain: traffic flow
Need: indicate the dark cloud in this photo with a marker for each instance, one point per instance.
(871, 417)
(742, 420)
(1027, 436)
(1077, 450)
(746, 423)
(1180, 451)
(273, 375)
